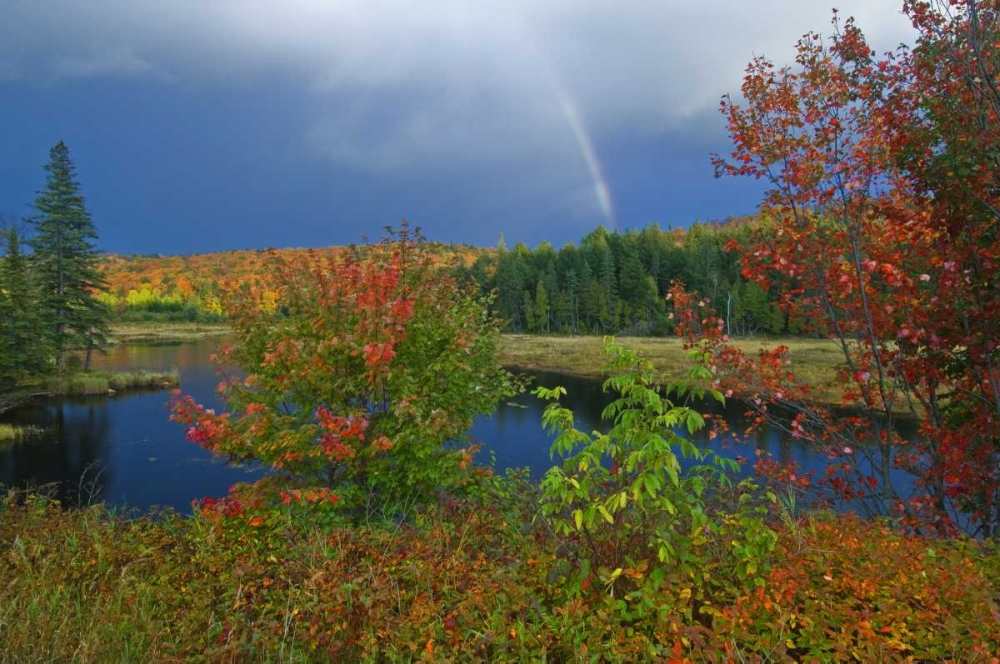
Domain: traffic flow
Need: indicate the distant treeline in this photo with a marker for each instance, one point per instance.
(616, 282)
(154, 288)
(609, 282)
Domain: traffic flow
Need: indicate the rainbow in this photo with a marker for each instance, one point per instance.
(583, 139)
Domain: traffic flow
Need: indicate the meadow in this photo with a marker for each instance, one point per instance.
(814, 361)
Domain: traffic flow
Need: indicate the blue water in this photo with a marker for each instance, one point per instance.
(123, 450)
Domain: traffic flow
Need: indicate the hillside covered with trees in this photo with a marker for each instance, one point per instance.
(168, 288)
(608, 282)
(616, 282)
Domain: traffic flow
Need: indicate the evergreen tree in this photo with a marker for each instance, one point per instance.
(570, 312)
(562, 312)
(541, 307)
(8, 356)
(586, 294)
(637, 291)
(22, 342)
(66, 262)
(529, 312)
(511, 281)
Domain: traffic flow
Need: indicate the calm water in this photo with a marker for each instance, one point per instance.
(125, 451)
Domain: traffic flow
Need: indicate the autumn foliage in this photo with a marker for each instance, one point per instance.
(354, 376)
(192, 287)
(362, 376)
(881, 235)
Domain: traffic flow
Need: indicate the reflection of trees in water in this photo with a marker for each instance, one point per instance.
(587, 400)
(75, 439)
(584, 397)
(72, 450)
(184, 357)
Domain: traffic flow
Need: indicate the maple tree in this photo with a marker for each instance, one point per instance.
(356, 383)
(880, 233)
(190, 287)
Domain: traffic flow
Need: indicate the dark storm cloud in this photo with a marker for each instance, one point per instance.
(514, 102)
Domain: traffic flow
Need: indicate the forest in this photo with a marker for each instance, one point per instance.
(609, 283)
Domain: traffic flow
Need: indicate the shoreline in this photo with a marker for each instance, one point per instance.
(164, 333)
(91, 383)
(816, 361)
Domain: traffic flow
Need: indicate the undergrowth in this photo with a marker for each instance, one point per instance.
(467, 580)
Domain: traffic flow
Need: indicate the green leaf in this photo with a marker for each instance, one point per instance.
(695, 422)
(652, 484)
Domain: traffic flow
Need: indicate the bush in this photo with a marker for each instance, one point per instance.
(372, 364)
(633, 520)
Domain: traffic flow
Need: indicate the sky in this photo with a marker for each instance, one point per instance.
(207, 125)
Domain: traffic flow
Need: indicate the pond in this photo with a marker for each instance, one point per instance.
(123, 450)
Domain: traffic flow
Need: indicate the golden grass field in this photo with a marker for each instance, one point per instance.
(814, 361)
(153, 333)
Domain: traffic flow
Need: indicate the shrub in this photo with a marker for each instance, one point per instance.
(634, 521)
(370, 366)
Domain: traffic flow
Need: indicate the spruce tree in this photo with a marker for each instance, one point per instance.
(23, 348)
(541, 307)
(66, 262)
(8, 356)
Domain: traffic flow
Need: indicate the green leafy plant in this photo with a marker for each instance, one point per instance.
(630, 513)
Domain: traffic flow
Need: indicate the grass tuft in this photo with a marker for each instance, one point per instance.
(100, 382)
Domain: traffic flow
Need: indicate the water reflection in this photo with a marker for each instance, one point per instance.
(514, 434)
(76, 436)
(123, 449)
(140, 459)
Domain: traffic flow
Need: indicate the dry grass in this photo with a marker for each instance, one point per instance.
(154, 333)
(815, 361)
(13, 432)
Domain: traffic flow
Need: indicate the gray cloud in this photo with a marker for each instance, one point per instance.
(406, 84)
(101, 62)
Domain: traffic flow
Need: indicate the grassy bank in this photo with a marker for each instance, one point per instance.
(86, 383)
(471, 581)
(102, 382)
(814, 361)
(159, 333)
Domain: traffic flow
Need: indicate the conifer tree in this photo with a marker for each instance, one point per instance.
(541, 308)
(8, 360)
(66, 262)
(22, 343)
